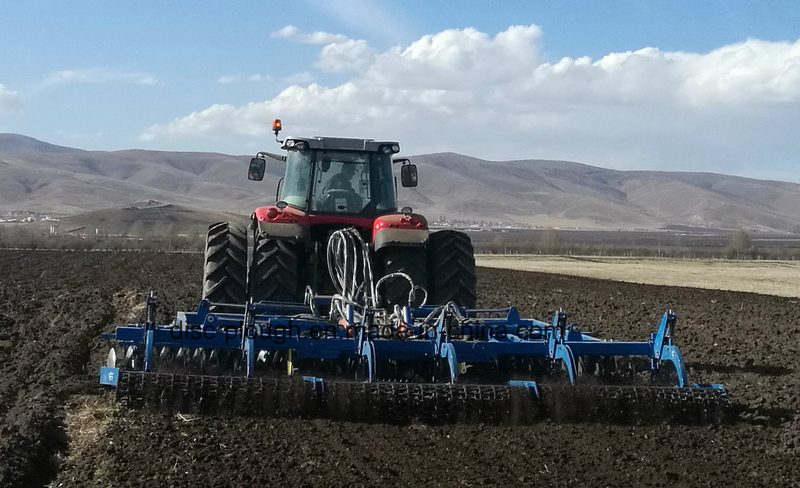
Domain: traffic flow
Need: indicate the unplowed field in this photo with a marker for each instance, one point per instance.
(57, 428)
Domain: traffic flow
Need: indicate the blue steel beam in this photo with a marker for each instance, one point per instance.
(455, 336)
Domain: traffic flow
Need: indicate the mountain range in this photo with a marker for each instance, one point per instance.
(44, 178)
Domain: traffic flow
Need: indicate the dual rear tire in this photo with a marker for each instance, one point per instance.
(451, 265)
(272, 275)
(411, 261)
(445, 268)
(225, 271)
(275, 271)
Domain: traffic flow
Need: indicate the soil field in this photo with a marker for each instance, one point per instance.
(58, 429)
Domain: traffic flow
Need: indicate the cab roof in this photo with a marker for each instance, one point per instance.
(341, 143)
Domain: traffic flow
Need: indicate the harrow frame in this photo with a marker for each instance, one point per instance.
(452, 334)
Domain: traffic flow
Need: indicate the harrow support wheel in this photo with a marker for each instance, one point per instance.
(225, 270)
(451, 268)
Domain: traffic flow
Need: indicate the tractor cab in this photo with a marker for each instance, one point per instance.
(338, 180)
(331, 184)
(337, 176)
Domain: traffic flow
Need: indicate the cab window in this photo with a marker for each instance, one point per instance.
(341, 182)
(295, 184)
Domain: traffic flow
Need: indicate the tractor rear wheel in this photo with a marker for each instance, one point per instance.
(225, 270)
(451, 267)
(275, 273)
(408, 260)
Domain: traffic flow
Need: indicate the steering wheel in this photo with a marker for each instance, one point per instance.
(354, 201)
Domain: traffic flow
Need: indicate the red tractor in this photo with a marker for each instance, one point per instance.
(329, 184)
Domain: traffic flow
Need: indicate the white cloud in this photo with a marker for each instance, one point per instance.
(496, 97)
(9, 100)
(321, 38)
(346, 56)
(210, 121)
(98, 75)
(287, 32)
(745, 72)
(339, 53)
(460, 59)
(237, 78)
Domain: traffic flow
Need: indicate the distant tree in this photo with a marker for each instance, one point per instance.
(550, 241)
(738, 244)
(10, 236)
(499, 244)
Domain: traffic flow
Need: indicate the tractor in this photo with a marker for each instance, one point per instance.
(331, 183)
(378, 317)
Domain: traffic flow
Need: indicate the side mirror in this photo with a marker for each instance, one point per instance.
(258, 166)
(408, 175)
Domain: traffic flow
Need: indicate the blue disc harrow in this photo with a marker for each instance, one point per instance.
(428, 364)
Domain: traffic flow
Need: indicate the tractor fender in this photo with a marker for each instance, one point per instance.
(399, 229)
(286, 223)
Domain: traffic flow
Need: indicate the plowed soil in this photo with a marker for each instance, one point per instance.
(58, 428)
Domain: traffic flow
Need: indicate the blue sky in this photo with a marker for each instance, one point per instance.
(720, 92)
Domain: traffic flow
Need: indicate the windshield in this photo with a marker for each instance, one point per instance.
(384, 198)
(295, 184)
(350, 182)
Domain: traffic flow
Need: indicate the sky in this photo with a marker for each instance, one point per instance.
(681, 85)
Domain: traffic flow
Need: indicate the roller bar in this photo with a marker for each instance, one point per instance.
(522, 403)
